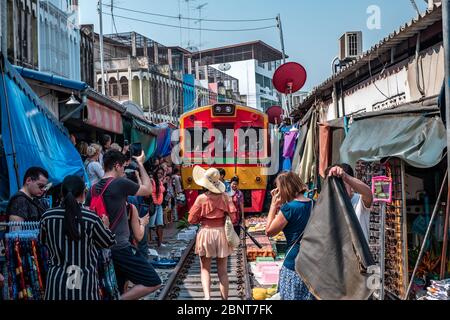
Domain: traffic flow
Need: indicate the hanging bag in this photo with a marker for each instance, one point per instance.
(232, 237)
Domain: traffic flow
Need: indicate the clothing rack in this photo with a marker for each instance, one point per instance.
(24, 225)
(25, 264)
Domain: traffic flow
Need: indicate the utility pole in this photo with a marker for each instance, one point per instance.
(199, 8)
(286, 100)
(446, 35)
(280, 29)
(100, 13)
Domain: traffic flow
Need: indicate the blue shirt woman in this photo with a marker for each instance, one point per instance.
(289, 212)
(297, 214)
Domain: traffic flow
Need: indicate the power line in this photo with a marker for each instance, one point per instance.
(188, 28)
(184, 18)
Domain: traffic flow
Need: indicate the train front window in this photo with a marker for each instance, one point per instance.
(195, 140)
(251, 142)
(223, 137)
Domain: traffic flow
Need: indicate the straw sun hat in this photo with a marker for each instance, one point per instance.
(209, 179)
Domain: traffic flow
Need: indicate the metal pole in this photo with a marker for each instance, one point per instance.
(280, 28)
(383, 249)
(427, 234)
(404, 222)
(286, 99)
(445, 243)
(446, 35)
(100, 14)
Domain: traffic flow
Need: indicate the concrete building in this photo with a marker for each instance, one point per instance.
(59, 38)
(155, 77)
(253, 64)
(87, 55)
(42, 35)
(21, 30)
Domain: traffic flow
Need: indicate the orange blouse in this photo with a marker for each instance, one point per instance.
(210, 210)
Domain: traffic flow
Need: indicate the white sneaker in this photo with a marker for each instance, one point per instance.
(163, 245)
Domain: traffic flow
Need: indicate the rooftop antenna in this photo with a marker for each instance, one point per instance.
(414, 4)
(181, 29)
(199, 8)
(189, 20)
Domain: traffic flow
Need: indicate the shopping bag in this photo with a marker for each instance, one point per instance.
(232, 237)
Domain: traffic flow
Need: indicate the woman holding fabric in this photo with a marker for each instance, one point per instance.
(289, 212)
(210, 210)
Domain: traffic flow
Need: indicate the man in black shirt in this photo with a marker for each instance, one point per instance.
(129, 264)
(25, 204)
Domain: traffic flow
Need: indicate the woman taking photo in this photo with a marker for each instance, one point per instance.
(210, 210)
(93, 167)
(289, 212)
(73, 235)
(157, 220)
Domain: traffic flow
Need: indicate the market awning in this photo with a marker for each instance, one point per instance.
(31, 135)
(164, 143)
(102, 117)
(137, 130)
(51, 79)
(145, 127)
(418, 139)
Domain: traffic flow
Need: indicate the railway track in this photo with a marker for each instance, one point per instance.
(185, 281)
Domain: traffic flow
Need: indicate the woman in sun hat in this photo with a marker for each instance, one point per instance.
(210, 210)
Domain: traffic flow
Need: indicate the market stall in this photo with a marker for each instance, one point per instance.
(265, 260)
(409, 154)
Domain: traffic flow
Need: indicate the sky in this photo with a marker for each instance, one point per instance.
(311, 27)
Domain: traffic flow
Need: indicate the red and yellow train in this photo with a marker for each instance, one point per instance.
(227, 140)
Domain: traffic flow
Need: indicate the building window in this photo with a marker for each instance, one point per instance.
(113, 89)
(124, 86)
(99, 85)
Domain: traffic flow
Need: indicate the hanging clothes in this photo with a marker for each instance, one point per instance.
(308, 166)
(25, 263)
(324, 148)
(301, 142)
(290, 142)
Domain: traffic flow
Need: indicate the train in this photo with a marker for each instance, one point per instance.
(232, 137)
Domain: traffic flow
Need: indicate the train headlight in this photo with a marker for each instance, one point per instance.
(258, 179)
(190, 180)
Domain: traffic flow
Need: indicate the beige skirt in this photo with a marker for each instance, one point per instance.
(212, 243)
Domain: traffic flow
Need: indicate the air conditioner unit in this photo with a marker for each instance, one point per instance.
(350, 45)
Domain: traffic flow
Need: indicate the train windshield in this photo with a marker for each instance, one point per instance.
(224, 143)
(195, 140)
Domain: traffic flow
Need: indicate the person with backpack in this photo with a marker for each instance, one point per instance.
(25, 205)
(93, 167)
(109, 197)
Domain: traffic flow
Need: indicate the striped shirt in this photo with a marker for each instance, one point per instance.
(72, 273)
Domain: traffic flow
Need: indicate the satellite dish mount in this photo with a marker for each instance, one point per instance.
(288, 79)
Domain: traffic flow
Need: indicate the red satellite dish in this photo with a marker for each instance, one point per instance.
(289, 78)
(275, 114)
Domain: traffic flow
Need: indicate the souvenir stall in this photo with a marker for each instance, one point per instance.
(23, 260)
(407, 176)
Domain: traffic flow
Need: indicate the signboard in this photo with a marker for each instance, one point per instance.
(382, 189)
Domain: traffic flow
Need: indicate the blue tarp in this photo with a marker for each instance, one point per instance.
(38, 137)
(51, 79)
(164, 143)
